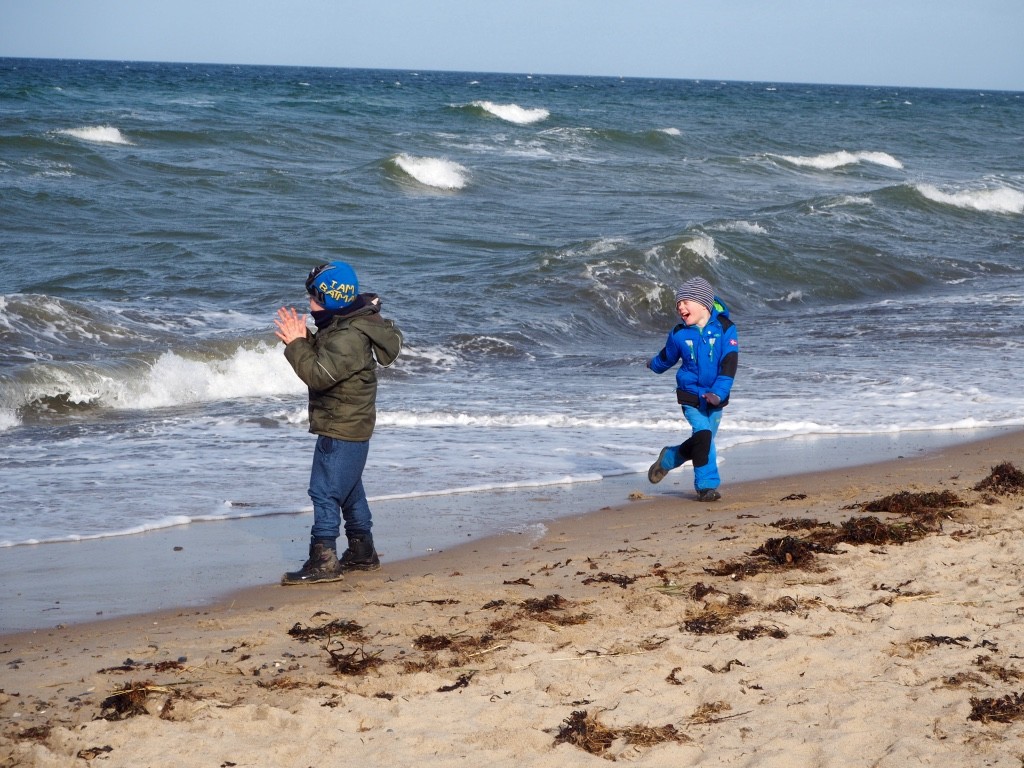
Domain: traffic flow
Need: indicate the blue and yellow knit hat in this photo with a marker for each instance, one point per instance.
(334, 285)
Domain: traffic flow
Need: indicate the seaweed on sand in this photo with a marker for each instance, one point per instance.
(717, 619)
(912, 503)
(613, 578)
(128, 701)
(455, 642)
(357, 662)
(336, 628)
(871, 530)
(543, 609)
(1004, 479)
(1005, 709)
(799, 524)
(791, 551)
(708, 623)
(921, 514)
(38, 733)
(773, 555)
(461, 682)
(752, 633)
(585, 731)
(710, 712)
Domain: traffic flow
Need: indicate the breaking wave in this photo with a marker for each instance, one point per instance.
(999, 200)
(513, 113)
(98, 134)
(432, 171)
(832, 160)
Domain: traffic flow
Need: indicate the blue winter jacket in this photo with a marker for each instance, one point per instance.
(707, 358)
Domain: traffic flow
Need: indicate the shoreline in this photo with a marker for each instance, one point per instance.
(489, 652)
(204, 563)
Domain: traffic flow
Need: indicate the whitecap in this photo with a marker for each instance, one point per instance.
(999, 200)
(9, 419)
(832, 160)
(704, 246)
(98, 134)
(516, 421)
(670, 131)
(175, 380)
(171, 380)
(747, 227)
(433, 171)
(849, 200)
(513, 113)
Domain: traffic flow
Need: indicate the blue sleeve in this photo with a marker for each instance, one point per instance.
(727, 364)
(668, 356)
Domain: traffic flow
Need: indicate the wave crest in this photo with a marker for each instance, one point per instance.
(832, 160)
(433, 171)
(98, 134)
(999, 200)
(170, 380)
(513, 113)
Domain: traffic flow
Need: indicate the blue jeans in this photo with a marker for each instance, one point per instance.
(336, 486)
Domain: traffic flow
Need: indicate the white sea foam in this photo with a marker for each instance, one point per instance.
(176, 380)
(832, 160)
(519, 420)
(750, 228)
(670, 131)
(537, 483)
(704, 246)
(850, 200)
(152, 525)
(98, 134)
(513, 113)
(604, 245)
(171, 380)
(8, 419)
(433, 171)
(999, 200)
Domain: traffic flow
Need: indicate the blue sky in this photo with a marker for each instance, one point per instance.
(934, 43)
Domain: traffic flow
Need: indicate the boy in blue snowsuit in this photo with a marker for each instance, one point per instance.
(706, 346)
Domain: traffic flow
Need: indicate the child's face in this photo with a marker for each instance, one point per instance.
(692, 312)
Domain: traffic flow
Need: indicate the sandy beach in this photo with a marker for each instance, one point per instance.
(865, 616)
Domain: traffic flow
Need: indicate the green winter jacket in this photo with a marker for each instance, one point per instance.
(338, 364)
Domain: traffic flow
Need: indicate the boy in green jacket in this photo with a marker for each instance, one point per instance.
(338, 364)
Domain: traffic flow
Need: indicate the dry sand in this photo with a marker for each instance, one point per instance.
(646, 633)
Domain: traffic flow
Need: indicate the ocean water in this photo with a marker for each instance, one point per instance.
(526, 232)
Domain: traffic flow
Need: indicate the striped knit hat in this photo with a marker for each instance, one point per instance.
(697, 289)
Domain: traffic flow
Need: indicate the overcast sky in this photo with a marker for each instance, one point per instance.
(976, 44)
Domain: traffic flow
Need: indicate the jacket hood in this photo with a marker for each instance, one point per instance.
(385, 337)
(719, 308)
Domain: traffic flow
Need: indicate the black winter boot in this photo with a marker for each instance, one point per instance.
(360, 555)
(322, 565)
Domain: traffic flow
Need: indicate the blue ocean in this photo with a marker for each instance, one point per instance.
(526, 232)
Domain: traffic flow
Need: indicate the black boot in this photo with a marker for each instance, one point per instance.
(360, 555)
(322, 565)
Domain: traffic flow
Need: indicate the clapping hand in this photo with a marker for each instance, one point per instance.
(289, 325)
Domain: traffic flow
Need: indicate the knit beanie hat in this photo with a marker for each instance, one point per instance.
(697, 289)
(333, 285)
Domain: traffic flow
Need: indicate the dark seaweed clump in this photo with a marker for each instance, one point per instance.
(1004, 479)
(585, 731)
(1002, 710)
